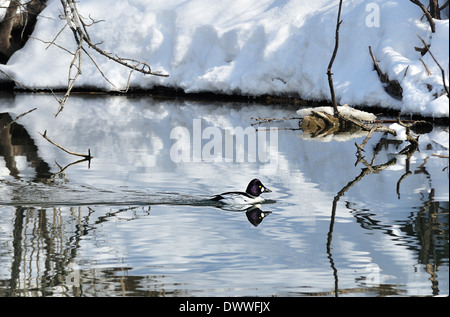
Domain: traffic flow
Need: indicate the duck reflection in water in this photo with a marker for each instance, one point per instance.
(253, 212)
(256, 215)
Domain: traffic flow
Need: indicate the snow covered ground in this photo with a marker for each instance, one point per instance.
(251, 47)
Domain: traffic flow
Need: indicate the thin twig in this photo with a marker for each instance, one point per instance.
(425, 66)
(62, 169)
(437, 63)
(383, 77)
(22, 114)
(52, 43)
(18, 117)
(369, 135)
(267, 120)
(57, 35)
(98, 68)
(71, 80)
(440, 155)
(17, 82)
(87, 157)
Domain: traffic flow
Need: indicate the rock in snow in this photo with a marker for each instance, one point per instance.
(252, 47)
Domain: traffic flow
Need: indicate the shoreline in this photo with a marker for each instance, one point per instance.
(164, 92)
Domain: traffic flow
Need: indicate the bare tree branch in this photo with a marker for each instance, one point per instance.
(86, 156)
(437, 63)
(16, 81)
(443, 6)
(79, 28)
(426, 67)
(330, 65)
(18, 117)
(426, 13)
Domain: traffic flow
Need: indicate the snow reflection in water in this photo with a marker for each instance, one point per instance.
(137, 223)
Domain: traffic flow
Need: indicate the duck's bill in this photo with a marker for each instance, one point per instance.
(265, 190)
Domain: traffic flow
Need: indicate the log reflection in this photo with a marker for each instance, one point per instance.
(16, 142)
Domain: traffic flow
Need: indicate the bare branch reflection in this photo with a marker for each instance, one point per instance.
(427, 227)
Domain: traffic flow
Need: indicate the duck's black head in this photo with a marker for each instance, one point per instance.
(255, 188)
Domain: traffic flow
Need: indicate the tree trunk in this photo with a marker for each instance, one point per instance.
(6, 26)
(17, 25)
(434, 9)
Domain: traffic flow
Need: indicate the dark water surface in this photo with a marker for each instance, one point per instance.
(136, 220)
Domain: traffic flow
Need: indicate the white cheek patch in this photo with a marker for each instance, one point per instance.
(262, 189)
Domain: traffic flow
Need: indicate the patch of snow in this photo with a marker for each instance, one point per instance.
(399, 130)
(250, 47)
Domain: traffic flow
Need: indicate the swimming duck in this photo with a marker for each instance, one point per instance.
(250, 197)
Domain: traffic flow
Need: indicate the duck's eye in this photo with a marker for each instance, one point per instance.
(259, 186)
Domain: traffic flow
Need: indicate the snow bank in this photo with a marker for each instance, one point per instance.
(250, 47)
